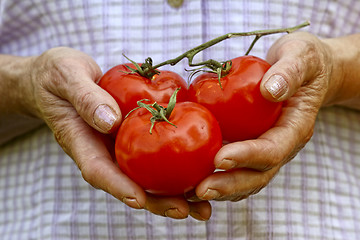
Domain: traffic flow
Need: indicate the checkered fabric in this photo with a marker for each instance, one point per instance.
(42, 193)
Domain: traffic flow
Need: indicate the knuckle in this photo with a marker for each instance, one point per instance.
(87, 172)
(84, 99)
(52, 75)
(264, 181)
(308, 136)
(271, 163)
(273, 157)
(85, 104)
(310, 58)
(60, 137)
(56, 67)
(288, 43)
(294, 73)
(90, 173)
(239, 198)
(257, 190)
(295, 69)
(93, 172)
(63, 125)
(63, 136)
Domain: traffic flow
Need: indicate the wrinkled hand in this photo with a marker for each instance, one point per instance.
(80, 113)
(300, 76)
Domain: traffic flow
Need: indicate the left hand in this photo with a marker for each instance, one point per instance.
(300, 75)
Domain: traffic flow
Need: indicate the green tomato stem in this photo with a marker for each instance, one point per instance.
(158, 112)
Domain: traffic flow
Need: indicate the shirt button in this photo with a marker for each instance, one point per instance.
(175, 3)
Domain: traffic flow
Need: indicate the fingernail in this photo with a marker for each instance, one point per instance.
(191, 196)
(210, 194)
(173, 213)
(277, 86)
(226, 164)
(193, 199)
(197, 216)
(104, 117)
(131, 202)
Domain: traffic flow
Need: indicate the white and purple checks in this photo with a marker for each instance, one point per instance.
(42, 194)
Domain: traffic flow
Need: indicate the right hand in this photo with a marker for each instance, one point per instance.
(80, 114)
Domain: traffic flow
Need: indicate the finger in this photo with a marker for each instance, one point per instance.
(200, 210)
(190, 196)
(86, 147)
(234, 185)
(296, 59)
(276, 146)
(280, 143)
(177, 207)
(73, 79)
(101, 172)
(260, 154)
(173, 207)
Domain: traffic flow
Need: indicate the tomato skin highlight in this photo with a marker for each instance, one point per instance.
(171, 160)
(128, 88)
(243, 113)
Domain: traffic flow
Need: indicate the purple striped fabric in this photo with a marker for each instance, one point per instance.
(42, 193)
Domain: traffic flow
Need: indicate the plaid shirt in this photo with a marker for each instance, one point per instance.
(42, 193)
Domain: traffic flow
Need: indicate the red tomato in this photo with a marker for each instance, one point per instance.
(243, 113)
(127, 88)
(172, 160)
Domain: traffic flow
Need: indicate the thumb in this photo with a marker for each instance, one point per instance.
(100, 111)
(294, 62)
(282, 80)
(96, 106)
(74, 80)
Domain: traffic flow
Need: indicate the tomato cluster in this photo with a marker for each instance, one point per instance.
(174, 158)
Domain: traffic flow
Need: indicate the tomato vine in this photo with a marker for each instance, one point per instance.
(220, 68)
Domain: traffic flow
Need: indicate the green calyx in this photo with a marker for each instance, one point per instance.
(221, 69)
(159, 113)
(146, 69)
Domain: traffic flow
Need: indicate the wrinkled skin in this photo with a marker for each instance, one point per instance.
(59, 88)
(310, 80)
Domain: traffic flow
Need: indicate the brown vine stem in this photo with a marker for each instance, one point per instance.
(214, 64)
(222, 69)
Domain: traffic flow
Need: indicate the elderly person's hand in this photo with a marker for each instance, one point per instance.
(307, 73)
(60, 87)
